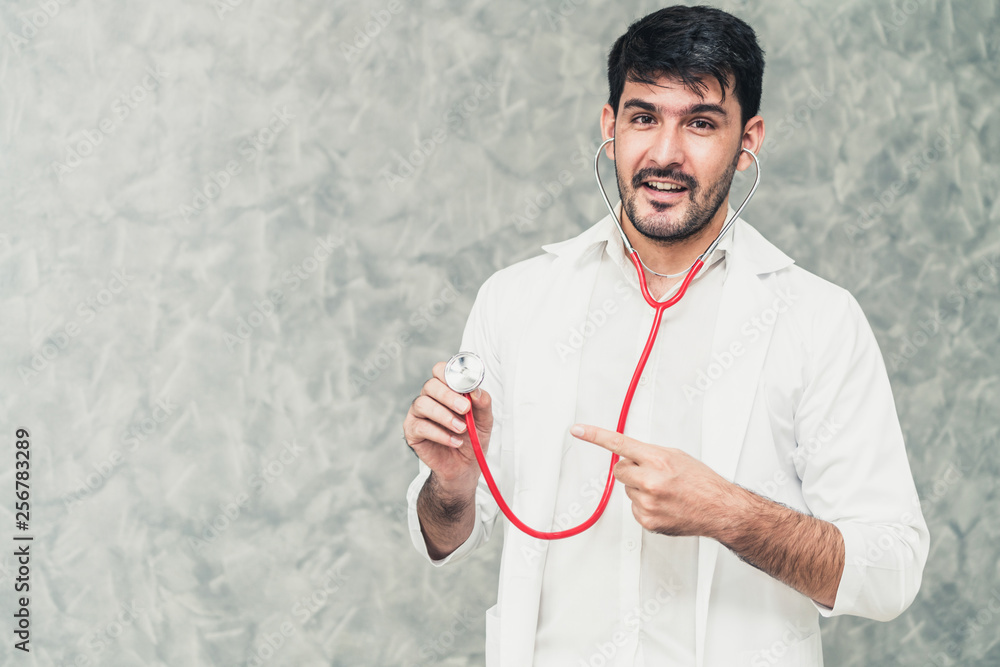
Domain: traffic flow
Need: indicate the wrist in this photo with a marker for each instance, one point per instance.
(735, 516)
(453, 488)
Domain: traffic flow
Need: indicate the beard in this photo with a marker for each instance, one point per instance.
(701, 210)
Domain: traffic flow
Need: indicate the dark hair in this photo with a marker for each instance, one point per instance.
(689, 43)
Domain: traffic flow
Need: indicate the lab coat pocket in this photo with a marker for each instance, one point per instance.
(492, 637)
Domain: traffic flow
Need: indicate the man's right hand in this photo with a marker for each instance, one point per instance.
(435, 429)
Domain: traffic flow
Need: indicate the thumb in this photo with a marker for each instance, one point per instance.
(482, 410)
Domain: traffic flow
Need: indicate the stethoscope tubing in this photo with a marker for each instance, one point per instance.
(660, 308)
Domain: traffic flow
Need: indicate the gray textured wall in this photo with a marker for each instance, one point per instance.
(183, 360)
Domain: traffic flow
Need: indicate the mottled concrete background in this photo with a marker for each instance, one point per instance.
(236, 235)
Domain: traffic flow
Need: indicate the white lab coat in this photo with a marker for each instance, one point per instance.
(800, 410)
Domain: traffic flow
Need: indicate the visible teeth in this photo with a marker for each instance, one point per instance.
(664, 186)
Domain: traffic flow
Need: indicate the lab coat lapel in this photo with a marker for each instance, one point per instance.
(729, 398)
(545, 410)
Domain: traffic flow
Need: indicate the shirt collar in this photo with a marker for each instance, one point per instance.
(742, 241)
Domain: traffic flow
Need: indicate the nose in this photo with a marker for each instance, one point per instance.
(667, 149)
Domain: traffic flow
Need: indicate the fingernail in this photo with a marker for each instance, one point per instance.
(456, 441)
(460, 406)
(577, 430)
(477, 393)
(458, 424)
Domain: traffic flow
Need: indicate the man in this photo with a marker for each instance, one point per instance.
(763, 480)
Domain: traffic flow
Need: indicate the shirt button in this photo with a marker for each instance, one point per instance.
(630, 545)
(643, 381)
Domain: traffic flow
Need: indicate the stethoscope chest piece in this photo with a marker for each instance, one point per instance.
(464, 372)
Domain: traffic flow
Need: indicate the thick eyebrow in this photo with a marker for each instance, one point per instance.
(636, 103)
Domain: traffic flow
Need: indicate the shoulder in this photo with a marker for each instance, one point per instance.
(525, 272)
(508, 294)
(819, 311)
(812, 295)
(818, 294)
(825, 317)
(522, 282)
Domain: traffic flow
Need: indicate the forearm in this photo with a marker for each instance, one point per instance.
(799, 550)
(447, 516)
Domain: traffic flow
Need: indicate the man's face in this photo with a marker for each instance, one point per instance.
(675, 156)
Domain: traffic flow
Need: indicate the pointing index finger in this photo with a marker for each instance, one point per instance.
(610, 440)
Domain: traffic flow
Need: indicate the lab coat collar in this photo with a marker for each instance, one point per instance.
(759, 255)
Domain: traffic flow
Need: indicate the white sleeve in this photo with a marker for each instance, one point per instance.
(479, 337)
(852, 462)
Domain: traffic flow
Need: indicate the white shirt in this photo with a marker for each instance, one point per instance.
(634, 589)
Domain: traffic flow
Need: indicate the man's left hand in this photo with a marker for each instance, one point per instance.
(672, 492)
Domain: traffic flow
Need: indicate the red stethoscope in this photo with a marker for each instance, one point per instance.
(465, 371)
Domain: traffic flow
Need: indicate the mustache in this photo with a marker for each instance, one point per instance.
(644, 175)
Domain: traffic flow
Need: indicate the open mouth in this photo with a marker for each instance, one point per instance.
(664, 190)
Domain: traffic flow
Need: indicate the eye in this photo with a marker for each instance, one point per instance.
(639, 119)
(706, 125)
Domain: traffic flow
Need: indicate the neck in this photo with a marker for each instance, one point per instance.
(669, 257)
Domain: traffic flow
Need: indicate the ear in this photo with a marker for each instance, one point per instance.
(753, 139)
(608, 130)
